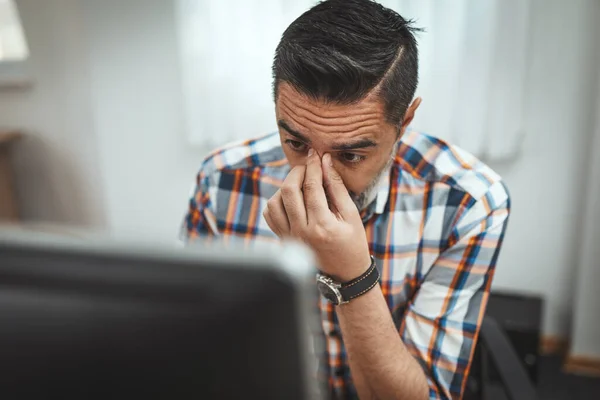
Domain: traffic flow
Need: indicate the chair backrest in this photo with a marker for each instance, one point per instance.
(513, 374)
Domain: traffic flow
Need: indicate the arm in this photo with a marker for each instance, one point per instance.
(442, 321)
(381, 366)
(199, 220)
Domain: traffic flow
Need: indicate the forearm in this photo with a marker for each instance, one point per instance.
(385, 368)
(363, 389)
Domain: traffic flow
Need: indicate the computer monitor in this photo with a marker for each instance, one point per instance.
(83, 320)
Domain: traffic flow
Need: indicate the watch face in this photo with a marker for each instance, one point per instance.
(328, 292)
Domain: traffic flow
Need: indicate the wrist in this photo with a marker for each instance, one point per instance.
(351, 271)
(338, 292)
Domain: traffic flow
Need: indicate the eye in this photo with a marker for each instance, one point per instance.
(351, 158)
(296, 145)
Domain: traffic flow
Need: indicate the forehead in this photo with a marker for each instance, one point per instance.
(311, 116)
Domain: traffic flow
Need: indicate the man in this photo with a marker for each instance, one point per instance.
(346, 176)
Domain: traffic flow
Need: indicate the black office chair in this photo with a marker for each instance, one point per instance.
(495, 347)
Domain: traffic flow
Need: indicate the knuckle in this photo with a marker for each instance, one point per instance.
(311, 185)
(299, 169)
(311, 206)
(321, 234)
(267, 217)
(297, 233)
(265, 212)
(287, 189)
(335, 178)
(323, 223)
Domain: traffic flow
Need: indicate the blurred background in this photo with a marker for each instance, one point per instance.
(107, 109)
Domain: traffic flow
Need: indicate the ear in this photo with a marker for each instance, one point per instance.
(410, 114)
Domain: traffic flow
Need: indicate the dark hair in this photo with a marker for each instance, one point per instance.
(340, 50)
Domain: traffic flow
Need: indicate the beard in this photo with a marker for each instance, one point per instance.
(366, 197)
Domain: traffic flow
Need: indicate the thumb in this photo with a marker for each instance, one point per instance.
(336, 190)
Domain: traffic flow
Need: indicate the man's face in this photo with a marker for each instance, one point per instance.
(357, 136)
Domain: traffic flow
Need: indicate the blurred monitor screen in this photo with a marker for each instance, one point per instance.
(96, 322)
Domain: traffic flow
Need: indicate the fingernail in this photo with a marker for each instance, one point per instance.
(327, 159)
(310, 152)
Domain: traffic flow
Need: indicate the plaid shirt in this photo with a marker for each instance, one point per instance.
(435, 230)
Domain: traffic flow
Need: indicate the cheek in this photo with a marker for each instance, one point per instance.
(358, 179)
(293, 157)
(355, 179)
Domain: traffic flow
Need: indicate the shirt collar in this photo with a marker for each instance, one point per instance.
(383, 191)
(380, 196)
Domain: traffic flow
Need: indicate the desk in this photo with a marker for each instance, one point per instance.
(8, 202)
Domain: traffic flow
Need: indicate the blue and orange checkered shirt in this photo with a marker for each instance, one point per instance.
(435, 231)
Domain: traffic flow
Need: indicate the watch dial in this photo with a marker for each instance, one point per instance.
(327, 292)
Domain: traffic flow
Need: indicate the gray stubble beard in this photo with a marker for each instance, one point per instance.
(365, 198)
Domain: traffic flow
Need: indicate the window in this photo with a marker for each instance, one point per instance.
(13, 47)
(12, 40)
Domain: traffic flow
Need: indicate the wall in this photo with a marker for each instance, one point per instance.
(56, 166)
(547, 180)
(147, 166)
(117, 146)
(105, 145)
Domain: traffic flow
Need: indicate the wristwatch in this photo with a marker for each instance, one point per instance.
(341, 293)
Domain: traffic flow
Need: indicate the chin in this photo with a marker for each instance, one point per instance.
(360, 201)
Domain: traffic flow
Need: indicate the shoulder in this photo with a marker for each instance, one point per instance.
(429, 159)
(264, 151)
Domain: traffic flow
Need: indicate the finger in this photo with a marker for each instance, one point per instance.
(270, 222)
(314, 193)
(277, 214)
(293, 200)
(336, 190)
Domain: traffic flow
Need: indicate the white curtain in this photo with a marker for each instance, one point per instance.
(585, 330)
(473, 64)
(227, 48)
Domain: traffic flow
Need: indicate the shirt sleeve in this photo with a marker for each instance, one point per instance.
(443, 319)
(200, 221)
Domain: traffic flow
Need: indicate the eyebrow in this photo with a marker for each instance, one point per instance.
(292, 132)
(360, 144)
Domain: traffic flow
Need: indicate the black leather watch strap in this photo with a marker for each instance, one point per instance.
(361, 285)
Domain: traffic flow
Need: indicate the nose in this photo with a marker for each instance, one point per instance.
(319, 152)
